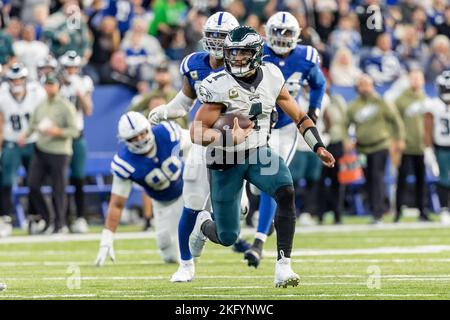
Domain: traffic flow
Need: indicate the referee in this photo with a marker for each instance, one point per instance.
(54, 122)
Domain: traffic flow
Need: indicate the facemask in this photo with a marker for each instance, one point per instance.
(17, 89)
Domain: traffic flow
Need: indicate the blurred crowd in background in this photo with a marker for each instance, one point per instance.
(132, 37)
(139, 44)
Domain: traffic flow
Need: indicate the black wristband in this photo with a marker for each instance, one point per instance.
(318, 145)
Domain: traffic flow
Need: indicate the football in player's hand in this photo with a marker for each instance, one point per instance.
(226, 120)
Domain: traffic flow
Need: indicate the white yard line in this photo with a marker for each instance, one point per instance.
(267, 253)
(159, 262)
(244, 232)
(442, 277)
(232, 296)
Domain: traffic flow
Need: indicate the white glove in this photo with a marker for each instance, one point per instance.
(430, 161)
(158, 114)
(106, 248)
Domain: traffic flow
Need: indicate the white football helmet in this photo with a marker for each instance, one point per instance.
(282, 32)
(131, 125)
(70, 59)
(49, 61)
(215, 30)
(18, 71)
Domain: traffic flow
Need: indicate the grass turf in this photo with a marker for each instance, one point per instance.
(369, 265)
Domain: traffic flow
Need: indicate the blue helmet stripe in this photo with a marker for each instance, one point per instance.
(220, 18)
(131, 123)
(284, 18)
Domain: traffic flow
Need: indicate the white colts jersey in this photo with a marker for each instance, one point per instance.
(84, 85)
(17, 114)
(255, 100)
(441, 117)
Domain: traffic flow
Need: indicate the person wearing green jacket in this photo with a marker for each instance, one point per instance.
(54, 121)
(411, 105)
(377, 125)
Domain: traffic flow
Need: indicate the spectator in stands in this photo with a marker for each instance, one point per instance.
(29, 50)
(162, 88)
(343, 70)
(371, 114)
(46, 66)
(78, 90)
(122, 11)
(411, 51)
(236, 8)
(371, 21)
(345, 35)
(437, 141)
(14, 29)
(331, 197)
(306, 168)
(424, 30)
(411, 106)
(435, 13)
(444, 27)
(142, 51)
(54, 121)
(326, 19)
(66, 30)
(116, 72)
(106, 41)
(96, 13)
(439, 59)
(194, 31)
(308, 35)
(407, 8)
(7, 55)
(141, 11)
(18, 100)
(27, 7)
(40, 16)
(382, 64)
(168, 15)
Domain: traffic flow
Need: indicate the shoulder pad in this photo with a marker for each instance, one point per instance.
(121, 168)
(310, 54)
(169, 129)
(213, 87)
(192, 62)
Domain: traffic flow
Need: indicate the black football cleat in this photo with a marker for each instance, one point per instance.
(253, 257)
(241, 246)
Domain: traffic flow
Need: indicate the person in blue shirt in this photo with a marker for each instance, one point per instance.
(299, 64)
(150, 158)
(194, 68)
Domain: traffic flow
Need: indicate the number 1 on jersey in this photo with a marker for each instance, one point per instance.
(255, 111)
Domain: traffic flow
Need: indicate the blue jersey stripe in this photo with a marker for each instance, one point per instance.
(121, 166)
(131, 123)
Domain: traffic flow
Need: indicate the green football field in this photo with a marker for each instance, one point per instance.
(353, 261)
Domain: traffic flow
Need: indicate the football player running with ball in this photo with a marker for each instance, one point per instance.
(299, 64)
(151, 158)
(251, 88)
(194, 68)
